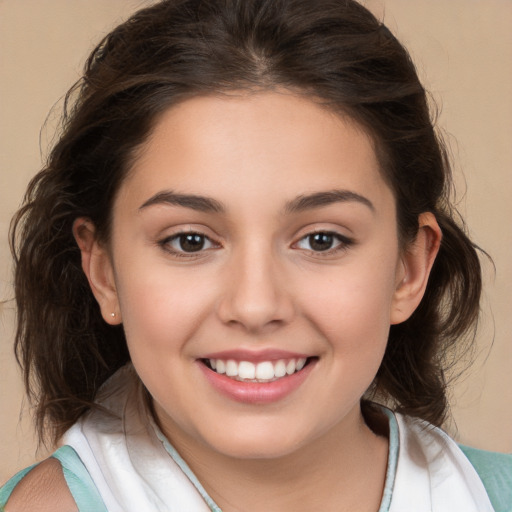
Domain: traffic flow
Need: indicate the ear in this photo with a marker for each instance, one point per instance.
(97, 266)
(414, 268)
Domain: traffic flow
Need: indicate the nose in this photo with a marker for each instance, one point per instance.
(255, 295)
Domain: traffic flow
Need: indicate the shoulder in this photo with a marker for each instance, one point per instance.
(495, 471)
(44, 488)
(58, 484)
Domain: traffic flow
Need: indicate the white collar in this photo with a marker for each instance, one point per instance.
(433, 474)
(134, 467)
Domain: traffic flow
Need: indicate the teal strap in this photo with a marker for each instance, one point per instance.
(80, 484)
(495, 471)
(79, 481)
(394, 442)
(8, 487)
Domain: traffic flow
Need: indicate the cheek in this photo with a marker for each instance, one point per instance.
(353, 308)
(354, 319)
(161, 309)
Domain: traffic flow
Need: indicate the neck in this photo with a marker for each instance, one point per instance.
(344, 469)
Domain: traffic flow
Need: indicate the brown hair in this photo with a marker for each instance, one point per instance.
(333, 50)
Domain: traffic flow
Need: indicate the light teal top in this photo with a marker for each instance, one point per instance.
(494, 469)
(79, 482)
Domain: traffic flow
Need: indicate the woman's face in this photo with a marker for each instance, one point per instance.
(256, 265)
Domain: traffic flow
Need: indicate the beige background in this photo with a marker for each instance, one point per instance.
(463, 50)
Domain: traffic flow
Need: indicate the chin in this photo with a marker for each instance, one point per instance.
(259, 451)
(260, 443)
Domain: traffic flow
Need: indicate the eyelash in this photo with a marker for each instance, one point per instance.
(166, 244)
(343, 244)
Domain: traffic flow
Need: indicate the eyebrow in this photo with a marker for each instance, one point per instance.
(194, 202)
(299, 204)
(320, 199)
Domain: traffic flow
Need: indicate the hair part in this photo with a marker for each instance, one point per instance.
(333, 50)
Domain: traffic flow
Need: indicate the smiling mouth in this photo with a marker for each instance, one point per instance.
(263, 371)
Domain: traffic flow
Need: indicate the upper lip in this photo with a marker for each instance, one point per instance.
(255, 356)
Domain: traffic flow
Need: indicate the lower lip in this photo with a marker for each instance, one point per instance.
(257, 392)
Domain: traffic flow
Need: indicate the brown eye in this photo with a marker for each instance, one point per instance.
(184, 243)
(191, 242)
(321, 241)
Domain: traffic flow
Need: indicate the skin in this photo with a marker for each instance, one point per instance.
(258, 284)
(44, 489)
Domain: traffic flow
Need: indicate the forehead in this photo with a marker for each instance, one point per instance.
(242, 145)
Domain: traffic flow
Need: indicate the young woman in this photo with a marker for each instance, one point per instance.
(241, 244)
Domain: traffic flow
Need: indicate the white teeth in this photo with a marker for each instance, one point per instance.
(280, 369)
(291, 366)
(265, 371)
(231, 368)
(247, 370)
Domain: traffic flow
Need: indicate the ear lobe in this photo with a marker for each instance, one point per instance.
(97, 266)
(416, 264)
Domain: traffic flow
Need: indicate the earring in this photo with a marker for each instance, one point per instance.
(112, 315)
